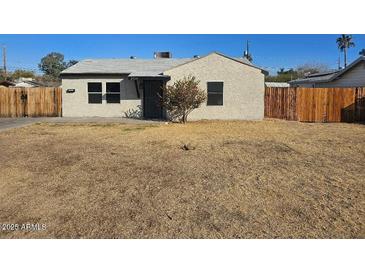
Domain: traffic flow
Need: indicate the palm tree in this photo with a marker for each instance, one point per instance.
(344, 42)
(362, 52)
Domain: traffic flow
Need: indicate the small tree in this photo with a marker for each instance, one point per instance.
(22, 73)
(182, 97)
(2, 75)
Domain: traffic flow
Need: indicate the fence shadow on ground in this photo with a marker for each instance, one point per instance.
(354, 113)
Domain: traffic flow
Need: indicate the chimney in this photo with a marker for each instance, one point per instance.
(162, 54)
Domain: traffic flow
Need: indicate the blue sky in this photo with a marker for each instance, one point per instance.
(272, 51)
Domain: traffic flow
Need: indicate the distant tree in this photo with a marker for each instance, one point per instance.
(300, 72)
(344, 42)
(71, 63)
(53, 63)
(48, 81)
(362, 52)
(283, 76)
(2, 75)
(307, 69)
(182, 97)
(22, 73)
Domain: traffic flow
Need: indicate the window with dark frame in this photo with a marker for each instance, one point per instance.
(113, 93)
(94, 92)
(215, 94)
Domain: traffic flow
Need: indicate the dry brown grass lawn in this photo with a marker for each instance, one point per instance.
(268, 179)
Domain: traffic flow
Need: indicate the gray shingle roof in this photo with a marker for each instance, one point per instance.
(319, 77)
(244, 60)
(136, 67)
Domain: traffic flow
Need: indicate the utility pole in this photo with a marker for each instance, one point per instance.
(339, 60)
(338, 63)
(4, 61)
(246, 52)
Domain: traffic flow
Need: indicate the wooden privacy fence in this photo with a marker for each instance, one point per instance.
(32, 102)
(316, 104)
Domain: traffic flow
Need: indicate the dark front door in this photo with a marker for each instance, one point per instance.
(152, 108)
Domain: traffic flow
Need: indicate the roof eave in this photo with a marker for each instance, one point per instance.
(92, 73)
(354, 63)
(150, 77)
(265, 72)
(250, 65)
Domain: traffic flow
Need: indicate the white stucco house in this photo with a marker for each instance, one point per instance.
(130, 87)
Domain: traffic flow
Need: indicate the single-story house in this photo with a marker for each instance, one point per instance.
(27, 83)
(351, 76)
(6, 84)
(131, 87)
(21, 83)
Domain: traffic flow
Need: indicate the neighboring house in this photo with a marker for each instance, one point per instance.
(27, 83)
(6, 84)
(120, 87)
(351, 76)
(21, 83)
(277, 85)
